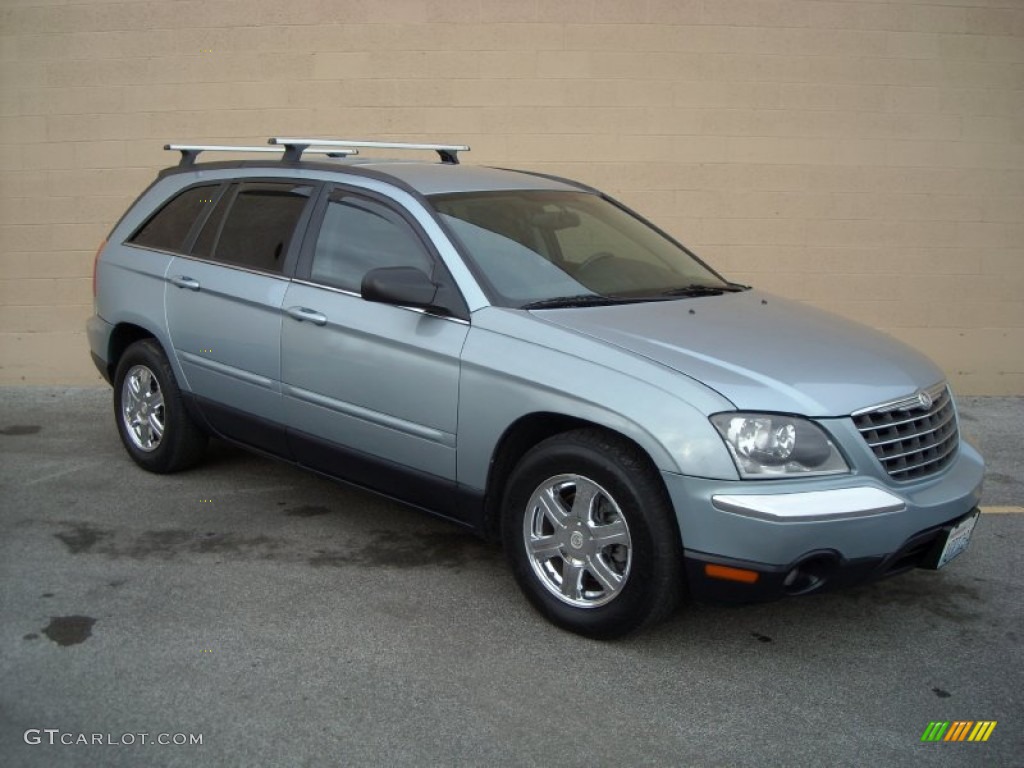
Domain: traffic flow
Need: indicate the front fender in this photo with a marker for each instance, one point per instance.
(509, 372)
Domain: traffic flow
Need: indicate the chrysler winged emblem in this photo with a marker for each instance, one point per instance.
(924, 400)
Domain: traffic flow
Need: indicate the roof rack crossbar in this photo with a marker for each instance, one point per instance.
(449, 153)
(189, 152)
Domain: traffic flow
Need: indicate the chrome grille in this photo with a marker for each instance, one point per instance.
(910, 437)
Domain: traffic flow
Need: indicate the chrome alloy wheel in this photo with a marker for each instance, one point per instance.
(142, 408)
(577, 541)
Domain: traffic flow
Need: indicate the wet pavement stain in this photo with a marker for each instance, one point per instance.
(308, 510)
(375, 549)
(81, 537)
(389, 549)
(69, 630)
(761, 638)
(944, 599)
(323, 558)
(167, 545)
(20, 429)
(941, 693)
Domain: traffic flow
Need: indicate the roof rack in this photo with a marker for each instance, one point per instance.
(449, 153)
(189, 152)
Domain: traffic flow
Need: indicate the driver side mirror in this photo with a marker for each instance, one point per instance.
(405, 286)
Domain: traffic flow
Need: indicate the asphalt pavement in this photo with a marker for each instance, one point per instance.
(286, 620)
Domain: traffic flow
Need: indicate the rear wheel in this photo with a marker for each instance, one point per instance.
(154, 426)
(590, 535)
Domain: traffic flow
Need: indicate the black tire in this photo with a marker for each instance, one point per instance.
(164, 437)
(641, 576)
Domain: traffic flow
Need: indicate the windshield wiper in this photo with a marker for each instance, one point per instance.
(584, 300)
(596, 300)
(699, 289)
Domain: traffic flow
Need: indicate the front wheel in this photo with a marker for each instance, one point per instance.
(590, 535)
(154, 426)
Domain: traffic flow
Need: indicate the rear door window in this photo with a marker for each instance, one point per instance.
(258, 227)
(168, 229)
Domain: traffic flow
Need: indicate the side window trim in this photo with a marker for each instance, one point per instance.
(197, 225)
(302, 227)
(228, 195)
(305, 261)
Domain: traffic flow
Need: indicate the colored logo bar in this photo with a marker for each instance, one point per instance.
(959, 730)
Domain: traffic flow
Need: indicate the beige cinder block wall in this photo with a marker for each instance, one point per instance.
(862, 156)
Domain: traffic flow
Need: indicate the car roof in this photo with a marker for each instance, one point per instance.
(421, 177)
(439, 178)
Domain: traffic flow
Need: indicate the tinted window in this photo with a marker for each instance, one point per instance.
(168, 229)
(208, 237)
(358, 235)
(260, 224)
(541, 246)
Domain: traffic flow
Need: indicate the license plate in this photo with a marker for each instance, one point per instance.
(957, 540)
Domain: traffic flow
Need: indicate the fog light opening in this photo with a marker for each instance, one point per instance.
(808, 575)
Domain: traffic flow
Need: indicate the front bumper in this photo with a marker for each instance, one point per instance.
(818, 571)
(844, 530)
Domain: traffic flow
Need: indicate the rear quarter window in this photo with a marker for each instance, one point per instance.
(168, 229)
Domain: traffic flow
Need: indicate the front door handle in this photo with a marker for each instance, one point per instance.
(305, 314)
(185, 282)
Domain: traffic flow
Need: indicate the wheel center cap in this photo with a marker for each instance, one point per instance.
(576, 540)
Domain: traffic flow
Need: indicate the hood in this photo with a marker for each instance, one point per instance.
(760, 351)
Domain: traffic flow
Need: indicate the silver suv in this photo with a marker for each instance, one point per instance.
(525, 356)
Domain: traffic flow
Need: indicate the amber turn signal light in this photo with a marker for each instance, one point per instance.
(730, 574)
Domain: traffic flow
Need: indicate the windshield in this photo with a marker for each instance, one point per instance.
(542, 248)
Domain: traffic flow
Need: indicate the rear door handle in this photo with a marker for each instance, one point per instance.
(185, 282)
(305, 314)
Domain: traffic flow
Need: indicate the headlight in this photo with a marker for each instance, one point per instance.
(766, 445)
